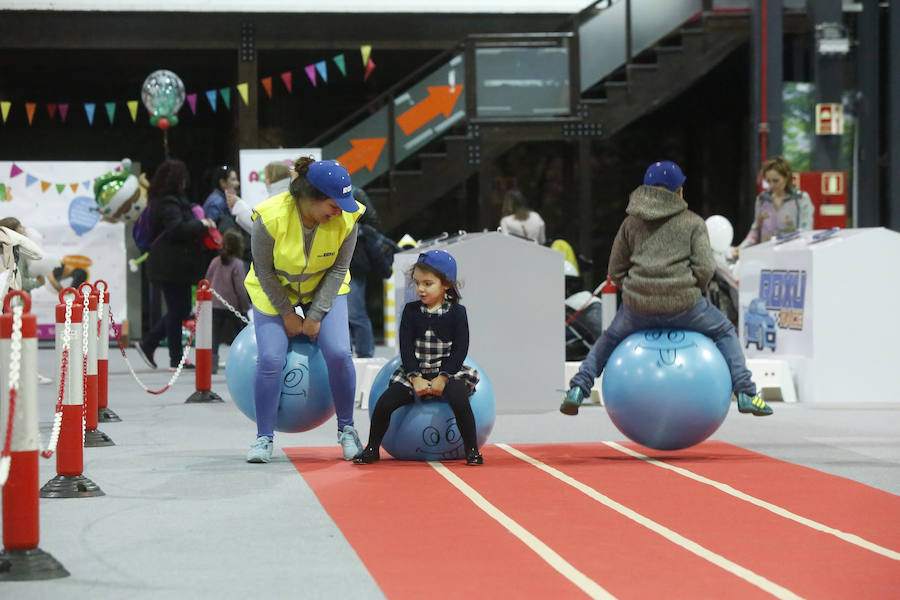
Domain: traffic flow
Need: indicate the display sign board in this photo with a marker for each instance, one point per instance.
(829, 119)
(828, 193)
(253, 162)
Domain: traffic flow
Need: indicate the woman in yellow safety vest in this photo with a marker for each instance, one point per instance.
(302, 241)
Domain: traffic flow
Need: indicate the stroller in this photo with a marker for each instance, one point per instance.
(584, 324)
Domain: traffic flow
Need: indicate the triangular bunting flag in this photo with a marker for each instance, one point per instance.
(51, 110)
(369, 68)
(29, 179)
(29, 109)
(286, 78)
(323, 71)
(311, 73)
(4, 109)
(132, 109)
(63, 111)
(86, 184)
(226, 97)
(111, 111)
(243, 90)
(339, 61)
(211, 96)
(14, 171)
(267, 85)
(60, 187)
(74, 187)
(89, 110)
(192, 102)
(45, 185)
(365, 51)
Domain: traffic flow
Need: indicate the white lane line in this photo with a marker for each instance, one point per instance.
(782, 512)
(676, 538)
(584, 583)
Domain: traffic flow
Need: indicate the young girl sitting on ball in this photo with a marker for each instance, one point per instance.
(662, 262)
(434, 341)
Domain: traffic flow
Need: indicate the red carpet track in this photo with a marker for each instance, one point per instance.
(418, 535)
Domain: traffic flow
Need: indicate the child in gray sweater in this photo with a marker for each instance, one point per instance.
(662, 262)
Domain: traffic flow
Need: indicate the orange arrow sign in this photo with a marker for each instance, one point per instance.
(365, 153)
(441, 99)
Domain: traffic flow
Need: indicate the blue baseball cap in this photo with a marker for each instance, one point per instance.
(332, 179)
(664, 173)
(440, 261)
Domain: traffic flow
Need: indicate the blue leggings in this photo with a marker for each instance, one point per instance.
(272, 341)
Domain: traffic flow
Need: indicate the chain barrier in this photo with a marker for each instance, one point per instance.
(236, 312)
(85, 331)
(184, 355)
(64, 363)
(15, 367)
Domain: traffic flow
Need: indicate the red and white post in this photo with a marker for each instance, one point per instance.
(203, 347)
(21, 558)
(93, 437)
(69, 481)
(104, 413)
(608, 306)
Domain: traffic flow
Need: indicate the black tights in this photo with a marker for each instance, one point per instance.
(456, 394)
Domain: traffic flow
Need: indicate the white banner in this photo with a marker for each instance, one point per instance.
(253, 185)
(56, 199)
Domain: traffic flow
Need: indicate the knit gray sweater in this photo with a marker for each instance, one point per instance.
(661, 258)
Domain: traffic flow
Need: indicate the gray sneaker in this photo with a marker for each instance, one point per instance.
(349, 441)
(261, 450)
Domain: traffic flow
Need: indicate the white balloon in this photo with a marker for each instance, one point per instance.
(720, 233)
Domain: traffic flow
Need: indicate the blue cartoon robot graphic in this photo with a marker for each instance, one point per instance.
(759, 326)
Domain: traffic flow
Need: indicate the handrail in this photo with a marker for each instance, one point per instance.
(385, 97)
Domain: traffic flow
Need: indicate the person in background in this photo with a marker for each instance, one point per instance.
(224, 180)
(225, 275)
(302, 243)
(23, 249)
(368, 259)
(780, 209)
(662, 262)
(521, 220)
(176, 260)
(277, 177)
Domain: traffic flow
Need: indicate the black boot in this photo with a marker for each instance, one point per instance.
(474, 457)
(367, 456)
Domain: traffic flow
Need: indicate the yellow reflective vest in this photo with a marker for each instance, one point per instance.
(299, 277)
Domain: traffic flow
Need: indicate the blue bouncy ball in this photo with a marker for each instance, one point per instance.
(426, 429)
(666, 388)
(305, 400)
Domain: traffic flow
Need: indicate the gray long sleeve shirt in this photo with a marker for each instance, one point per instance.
(262, 246)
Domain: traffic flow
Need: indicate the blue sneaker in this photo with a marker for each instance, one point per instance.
(261, 450)
(349, 441)
(574, 398)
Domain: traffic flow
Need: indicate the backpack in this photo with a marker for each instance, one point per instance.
(141, 233)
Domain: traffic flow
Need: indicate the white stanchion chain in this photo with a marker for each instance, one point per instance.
(184, 355)
(236, 312)
(15, 367)
(102, 292)
(57, 418)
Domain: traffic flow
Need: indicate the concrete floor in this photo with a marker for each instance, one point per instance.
(185, 517)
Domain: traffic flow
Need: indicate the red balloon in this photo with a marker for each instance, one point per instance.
(163, 123)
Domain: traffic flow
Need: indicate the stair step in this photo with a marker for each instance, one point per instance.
(616, 90)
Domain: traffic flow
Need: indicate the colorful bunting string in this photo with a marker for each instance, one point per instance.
(267, 85)
(30, 179)
(226, 97)
(311, 73)
(286, 78)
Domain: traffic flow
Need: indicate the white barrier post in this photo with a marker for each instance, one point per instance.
(104, 413)
(608, 306)
(21, 558)
(390, 317)
(69, 481)
(93, 437)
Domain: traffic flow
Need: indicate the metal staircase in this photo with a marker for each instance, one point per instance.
(476, 101)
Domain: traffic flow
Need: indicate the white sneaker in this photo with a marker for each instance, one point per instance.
(349, 441)
(261, 450)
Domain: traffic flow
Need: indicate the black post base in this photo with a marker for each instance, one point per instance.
(203, 396)
(29, 565)
(107, 415)
(70, 486)
(94, 438)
